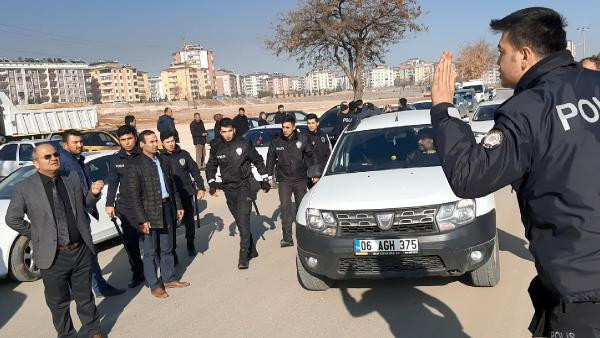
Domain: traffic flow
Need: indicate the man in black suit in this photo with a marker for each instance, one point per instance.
(59, 230)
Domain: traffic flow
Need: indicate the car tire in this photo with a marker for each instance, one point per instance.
(22, 266)
(310, 281)
(488, 274)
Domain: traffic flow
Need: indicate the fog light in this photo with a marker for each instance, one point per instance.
(312, 262)
(476, 256)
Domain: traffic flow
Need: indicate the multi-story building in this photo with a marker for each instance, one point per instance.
(201, 57)
(492, 76)
(115, 82)
(157, 92)
(228, 83)
(279, 84)
(321, 80)
(253, 84)
(27, 81)
(184, 82)
(572, 47)
(298, 84)
(380, 76)
(415, 71)
(143, 86)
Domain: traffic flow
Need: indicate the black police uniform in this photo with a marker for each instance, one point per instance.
(544, 143)
(343, 121)
(241, 124)
(184, 168)
(234, 160)
(322, 149)
(117, 174)
(295, 161)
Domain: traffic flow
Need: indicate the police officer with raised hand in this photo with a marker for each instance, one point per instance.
(121, 205)
(184, 169)
(234, 155)
(293, 155)
(540, 144)
(320, 143)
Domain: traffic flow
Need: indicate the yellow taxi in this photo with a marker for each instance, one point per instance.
(95, 140)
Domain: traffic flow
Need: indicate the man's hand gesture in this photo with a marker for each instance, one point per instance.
(444, 80)
(96, 187)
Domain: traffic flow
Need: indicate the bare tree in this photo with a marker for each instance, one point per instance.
(350, 34)
(475, 59)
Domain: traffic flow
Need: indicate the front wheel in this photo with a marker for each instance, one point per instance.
(488, 274)
(22, 265)
(310, 281)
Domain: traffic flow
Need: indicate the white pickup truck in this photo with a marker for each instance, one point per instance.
(16, 124)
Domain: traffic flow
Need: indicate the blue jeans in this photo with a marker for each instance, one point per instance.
(98, 282)
(158, 247)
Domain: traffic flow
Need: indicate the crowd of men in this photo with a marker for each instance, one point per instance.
(150, 192)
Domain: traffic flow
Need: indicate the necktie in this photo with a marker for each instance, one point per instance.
(60, 216)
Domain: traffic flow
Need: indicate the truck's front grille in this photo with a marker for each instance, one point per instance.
(406, 221)
(368, 265)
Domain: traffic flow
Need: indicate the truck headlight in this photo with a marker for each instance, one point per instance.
(452, 215)
(322, 222)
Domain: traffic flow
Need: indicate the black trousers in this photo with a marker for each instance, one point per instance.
(71, 270)
(288, 210)
(556, 319)
(131, 237)
(239, 203)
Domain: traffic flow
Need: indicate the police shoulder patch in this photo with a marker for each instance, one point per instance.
(493, 139)
(298, 144)
(238, 151)
(182, 161)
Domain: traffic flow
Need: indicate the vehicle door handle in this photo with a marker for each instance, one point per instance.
(21, 163)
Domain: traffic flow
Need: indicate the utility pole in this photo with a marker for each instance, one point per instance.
(583, 30)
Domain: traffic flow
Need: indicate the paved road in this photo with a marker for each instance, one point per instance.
(266, 300)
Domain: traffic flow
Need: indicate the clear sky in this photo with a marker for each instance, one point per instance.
(145, 33)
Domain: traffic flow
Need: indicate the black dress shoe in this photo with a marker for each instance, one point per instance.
(135, 281)
(243, 262)
(253, 253)
(109, 291)
(285, 243)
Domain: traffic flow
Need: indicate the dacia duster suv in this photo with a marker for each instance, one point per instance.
(383, 208)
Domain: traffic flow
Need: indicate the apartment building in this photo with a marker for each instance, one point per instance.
(157, 92)
(380, 76)
(185, 82)
(196, 55)
(28, 81)
(228, 83)
(119, 82)
(254, 83)
(320, 80)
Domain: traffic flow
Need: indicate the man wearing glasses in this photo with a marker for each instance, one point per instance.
(59, 229)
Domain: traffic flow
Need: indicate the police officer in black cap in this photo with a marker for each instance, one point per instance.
(120, 204)
(233, 155)
(544, 143)
(292, 153)
(184, 169)
(320, 143)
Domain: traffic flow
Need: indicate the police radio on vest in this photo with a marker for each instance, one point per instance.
(589, 111)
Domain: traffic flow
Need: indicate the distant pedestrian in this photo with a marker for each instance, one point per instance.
(262, 119)
(199, 135)
(150, 180)
(279, 115)
(241, 123)
(166, 123)
(61, 240)
(130, 121)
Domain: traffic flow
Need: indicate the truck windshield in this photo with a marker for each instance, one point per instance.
(477, 88)
(384, 149)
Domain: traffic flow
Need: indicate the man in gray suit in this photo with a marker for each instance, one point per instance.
(61, 238)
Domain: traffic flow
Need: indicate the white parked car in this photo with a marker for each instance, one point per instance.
(16, 259)
(17, 154)
(479, 87)
(261, 138)
(383, 208)
(483, 119)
